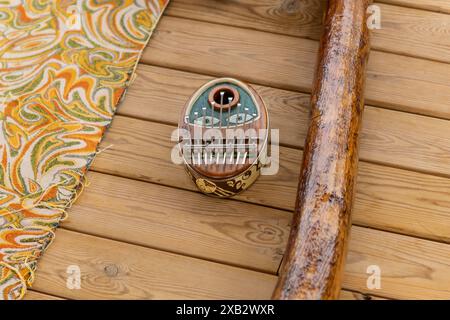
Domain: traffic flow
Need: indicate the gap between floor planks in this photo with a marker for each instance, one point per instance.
(440, 6)
(141, 134)
(386, 198)
(222, 231)
(404, 31)
(345, 295)
(140, 167)
(394, 82)
(112, 269)
(348, 293)
(36, 295)
(392, 138)
(159, 86)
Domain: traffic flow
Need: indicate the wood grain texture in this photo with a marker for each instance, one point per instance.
(393, 81)
(34, 295)
(402, 264)
(432, 5)
(350, 295)
(291, 17)
(387, 137)
(314, 260)
(411, 269)
(403, 30)
(229, 232)
(250, 236)
(345, 295)
(386, 198)
(116, 270)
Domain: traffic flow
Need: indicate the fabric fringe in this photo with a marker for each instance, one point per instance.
(19, 274)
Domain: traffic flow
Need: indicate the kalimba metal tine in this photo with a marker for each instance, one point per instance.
(245, 118)
(238, 114)
(212, 114)
(204, 116)
(230, 99)
(222, 93)
(195, 117)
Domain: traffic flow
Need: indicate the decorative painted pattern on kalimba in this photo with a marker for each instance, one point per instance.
(223, 137)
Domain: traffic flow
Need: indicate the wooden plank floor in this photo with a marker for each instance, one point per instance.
(141, 230)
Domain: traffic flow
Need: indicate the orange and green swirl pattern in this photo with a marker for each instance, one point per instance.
(64, 66)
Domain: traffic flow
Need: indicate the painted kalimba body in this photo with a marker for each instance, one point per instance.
(223, 137)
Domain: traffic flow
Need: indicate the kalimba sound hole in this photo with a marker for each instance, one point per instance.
(227, 94)
(224, 97)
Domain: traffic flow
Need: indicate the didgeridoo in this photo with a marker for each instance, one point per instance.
(313, 263)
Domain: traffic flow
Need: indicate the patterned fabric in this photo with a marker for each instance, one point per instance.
(64, 66)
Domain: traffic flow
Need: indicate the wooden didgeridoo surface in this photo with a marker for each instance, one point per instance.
(313, 264)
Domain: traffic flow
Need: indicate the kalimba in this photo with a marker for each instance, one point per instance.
(223, 137)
